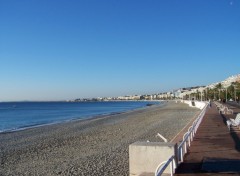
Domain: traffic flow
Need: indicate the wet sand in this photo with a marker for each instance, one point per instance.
(94, 147)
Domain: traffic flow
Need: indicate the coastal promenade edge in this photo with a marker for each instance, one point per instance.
(215, 150)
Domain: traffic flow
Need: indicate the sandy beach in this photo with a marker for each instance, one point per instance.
(94, 147)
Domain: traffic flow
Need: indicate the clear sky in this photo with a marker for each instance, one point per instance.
(67, 49)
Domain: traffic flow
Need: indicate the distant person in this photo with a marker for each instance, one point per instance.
(193, 103)
(210, 105)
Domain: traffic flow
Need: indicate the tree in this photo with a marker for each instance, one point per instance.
(197, 95)
(219, 88)
(211, 93)
(236, 86)
(231, 91)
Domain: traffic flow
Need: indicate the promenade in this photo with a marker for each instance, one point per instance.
(215, 150)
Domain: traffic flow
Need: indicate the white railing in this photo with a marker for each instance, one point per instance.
(182, 148)
(188, 136)
(162, 167)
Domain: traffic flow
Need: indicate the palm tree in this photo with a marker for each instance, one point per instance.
(204, 95)
(236, 86)
(219, 88)
(215, 92)
(197, 95)
(210, 93)
(238, 91)
(207, 93)
(231, 91)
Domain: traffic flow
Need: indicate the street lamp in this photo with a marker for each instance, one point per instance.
(235, 93)
(219, 95)
(205, 95)
(226, 95)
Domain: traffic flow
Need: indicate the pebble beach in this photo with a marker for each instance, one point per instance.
(97, 146)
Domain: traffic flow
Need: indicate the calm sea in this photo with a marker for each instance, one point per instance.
(22, 115)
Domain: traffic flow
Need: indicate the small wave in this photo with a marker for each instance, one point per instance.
(7, 108)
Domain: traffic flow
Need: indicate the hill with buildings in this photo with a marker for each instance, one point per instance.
(211, 91)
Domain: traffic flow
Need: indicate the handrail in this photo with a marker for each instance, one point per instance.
(182, 147)
(188, 136)
(161, 167)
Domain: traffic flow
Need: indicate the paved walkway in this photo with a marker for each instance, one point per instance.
(214, 150)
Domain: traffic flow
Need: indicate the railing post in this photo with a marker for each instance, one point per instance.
(181, 154)
(171, 168)
(185, 147)
(189, 141)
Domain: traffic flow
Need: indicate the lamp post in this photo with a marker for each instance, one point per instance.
(206, 98)
(219, 95)
(235, 93)
(226, 95)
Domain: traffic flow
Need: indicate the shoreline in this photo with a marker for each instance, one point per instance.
(80, 119)
(93, 147)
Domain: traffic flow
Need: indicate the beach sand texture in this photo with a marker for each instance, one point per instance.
(93, 147)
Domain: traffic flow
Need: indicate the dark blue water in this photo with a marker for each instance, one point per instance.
(22, 115)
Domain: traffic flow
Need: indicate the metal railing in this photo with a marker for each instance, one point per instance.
(162, 167)
(182, 148)
(188, 136)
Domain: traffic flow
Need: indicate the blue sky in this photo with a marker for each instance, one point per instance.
(59, 49)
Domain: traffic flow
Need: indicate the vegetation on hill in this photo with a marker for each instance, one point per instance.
(231, 92)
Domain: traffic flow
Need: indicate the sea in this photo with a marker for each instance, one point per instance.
(16, 116)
